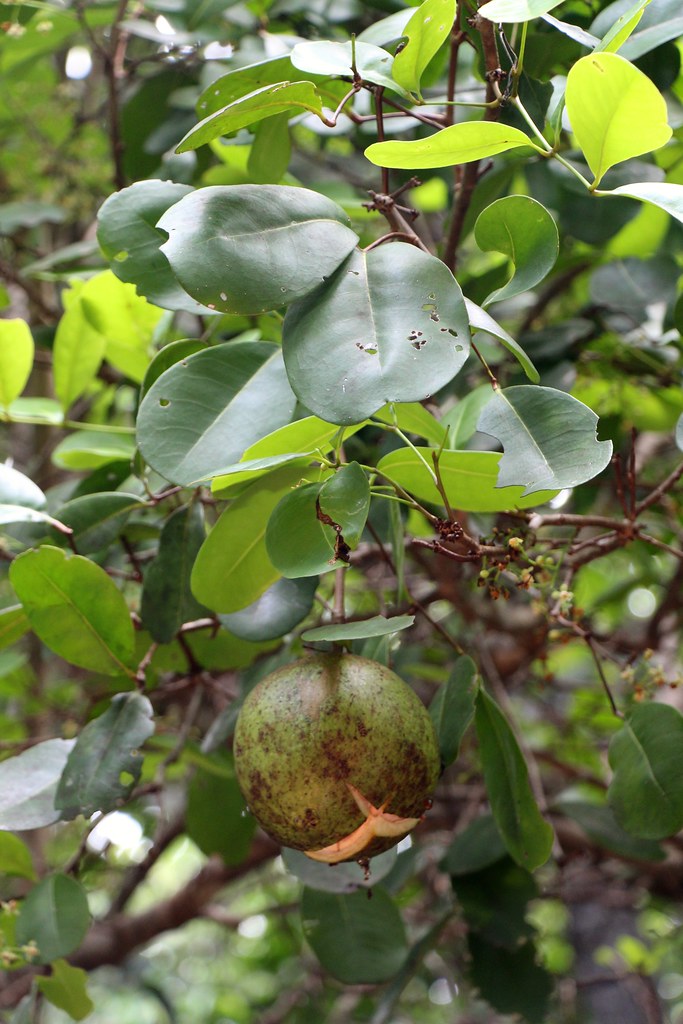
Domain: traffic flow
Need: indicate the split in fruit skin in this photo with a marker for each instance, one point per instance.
(377, 823)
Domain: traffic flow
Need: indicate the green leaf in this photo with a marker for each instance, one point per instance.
(549, 438)
(201, 414)
(284, 97)
(105, 763)
(15, 857)
(599, 823)
(347, 877)
(215, 818)
(98, 519)
(55, 916)
(495, 901)
(480, 320)
(358, 941)
(347, 495)
(646, 792)
(166, 357)
(378, 625)
(664, 194)
(13, 625)
(75, 609)
(167, 600)
(270, 151)
(130, 240)
(511, 980)
(429, 27)
(459, 144)
(232, 568)
(469, 479)
(516, 10)
(475, 848)
(232, 247)
(66, 988)
(616, 112)
(16, 358)
(78, 349)
(28, 783)
(372, 63)
(275, 612)
(524, 231)
(413, 418)
(526, 834)
(390, 326)
(242, 82)
(461, 419)
(653, 36)
(90, 449)
(452, 708)
(679, 432)
(17, 489)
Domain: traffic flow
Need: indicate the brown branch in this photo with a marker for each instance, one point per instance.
(659, 491)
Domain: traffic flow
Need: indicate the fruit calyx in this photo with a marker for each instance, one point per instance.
(378, 822)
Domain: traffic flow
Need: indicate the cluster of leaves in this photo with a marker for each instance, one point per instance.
(260, 411)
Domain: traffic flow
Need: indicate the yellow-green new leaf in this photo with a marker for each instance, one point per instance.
(459, 144)
(616, 112)
(16, 359)
(428, 28)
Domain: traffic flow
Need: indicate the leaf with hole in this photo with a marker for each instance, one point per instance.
(204, 411)
(75, 608)
(231, 246)
(458, 144)
(616, 111)
(524, 231)
(549, 438)
(389, 326)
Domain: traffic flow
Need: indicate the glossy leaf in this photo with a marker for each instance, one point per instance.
(480, 320)
(452, 708)
(90, 449)
(275, 612)
(459, 144)
(666, 195)
(97, 519)
(106, 762)
(616, 112)
(231, 246)
(232, 568)
(516, 10)
(55, 916)
(167, 600)
(130, 240)
(372, 63)
(16, 358)
(429, 27)
(66, 988)
(646, 792)
(378, 625)
(357, 941)
(524, 231)
(390, 326)
(476, 847)
(76, 609)
(228, 833)
(17, 489)
(284, 97)
(526, 834)
(167, 357)
(244, 81)
(15, 857)
(470, 480)
(549, 438)
(28, 783)
(203, 412)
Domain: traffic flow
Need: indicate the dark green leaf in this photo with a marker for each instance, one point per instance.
(511, 980)
(231, 247)
(479, 846)
(105, 763)
(75, 609)
(346, 495)
(358, 941)
(495, 901)
(270, 151)
(452, 708)
(646, 756)
(390, 326)
(298, 542)
(274, 613)
(66, 989)
(28, 783)
(216, 819)
(167, 601)
(549, 438)
(55, 916)
(201, 414)
(526, 834)
(524, 231)
(599, 823)
(378, 625)
(167, 357)
(97, 519)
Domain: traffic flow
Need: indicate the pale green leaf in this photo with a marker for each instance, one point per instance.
(458, 144)
(516, 10)
(378, 625)
(616, 111)
(28, 783)
(17, 489)
(549, 438)
(372, 63)
(16, 358)
(664, 194)
(428, 28)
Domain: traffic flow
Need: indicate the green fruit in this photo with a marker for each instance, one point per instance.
(336, 749)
